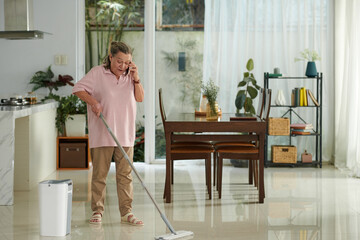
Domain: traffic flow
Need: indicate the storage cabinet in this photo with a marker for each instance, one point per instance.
(292, 112)
(73, 153)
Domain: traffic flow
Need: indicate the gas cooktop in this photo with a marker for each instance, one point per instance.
(14, 102)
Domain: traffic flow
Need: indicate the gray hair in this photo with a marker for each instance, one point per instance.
(114, 48)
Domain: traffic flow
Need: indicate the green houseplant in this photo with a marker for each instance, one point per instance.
(139, 144)
(44, 79)
(68, 107)
(108, 20)
(248, 90)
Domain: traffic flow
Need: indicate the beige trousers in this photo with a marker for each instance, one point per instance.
(101, 159)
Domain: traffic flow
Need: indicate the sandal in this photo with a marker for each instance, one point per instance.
(131, 219)
(95, 218)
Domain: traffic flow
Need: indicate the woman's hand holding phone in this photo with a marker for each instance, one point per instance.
(133, 70)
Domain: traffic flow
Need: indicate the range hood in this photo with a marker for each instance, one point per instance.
(19, 20)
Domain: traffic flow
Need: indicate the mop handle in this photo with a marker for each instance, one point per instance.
(138, 176)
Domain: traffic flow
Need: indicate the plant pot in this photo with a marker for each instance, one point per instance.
(239, 163)
(311, 70)
(75, 125)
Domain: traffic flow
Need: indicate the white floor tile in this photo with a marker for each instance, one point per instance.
(300, 203)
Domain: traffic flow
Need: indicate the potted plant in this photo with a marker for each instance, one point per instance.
(210, 90)
(248, 92)
(139, 144)
(71, 116)
(43, 79)
(310, 57)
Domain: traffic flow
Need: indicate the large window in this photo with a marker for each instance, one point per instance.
(108, 21)
(175, 15)
(179, 59)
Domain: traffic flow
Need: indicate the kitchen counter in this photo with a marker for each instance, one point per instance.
(27, 147)
(28, 109)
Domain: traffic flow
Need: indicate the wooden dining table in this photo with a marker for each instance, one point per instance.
(189, 127)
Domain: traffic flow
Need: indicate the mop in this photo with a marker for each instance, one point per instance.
(174, 234)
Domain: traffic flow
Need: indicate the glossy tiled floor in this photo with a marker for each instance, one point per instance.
(300, 203)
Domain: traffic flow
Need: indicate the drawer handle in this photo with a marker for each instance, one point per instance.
(285, 149)
(72, 149)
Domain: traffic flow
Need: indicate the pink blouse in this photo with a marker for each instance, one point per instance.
(119, 107)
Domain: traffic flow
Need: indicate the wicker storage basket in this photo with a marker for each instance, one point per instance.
(279, 126)
(284, 154)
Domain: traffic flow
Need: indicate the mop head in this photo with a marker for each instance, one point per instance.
(179, 235)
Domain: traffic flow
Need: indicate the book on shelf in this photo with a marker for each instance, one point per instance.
(307, 126)
(275, 75)
(305, 96)
(299, 129)
(300, 132)
(297, 97)
(313, 98)
(300, 97)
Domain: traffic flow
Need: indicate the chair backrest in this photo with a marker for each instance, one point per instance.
(261, 103)
(162, 109)
(267, 104)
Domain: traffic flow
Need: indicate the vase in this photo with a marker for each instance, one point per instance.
(280, 98)
(211, 115)
(203, 104)
(311, 70)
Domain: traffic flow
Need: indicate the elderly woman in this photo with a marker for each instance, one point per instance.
(113, 90)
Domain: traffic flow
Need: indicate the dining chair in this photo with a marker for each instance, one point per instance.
(250, 153)
(187, 151)
(259, 113)
(266, 108)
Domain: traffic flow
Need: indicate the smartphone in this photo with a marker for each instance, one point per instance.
(128, 70)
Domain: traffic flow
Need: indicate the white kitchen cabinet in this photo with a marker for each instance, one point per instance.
(27, 146)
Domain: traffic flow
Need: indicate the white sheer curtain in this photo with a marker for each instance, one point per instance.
(272, 33)
(347, 85)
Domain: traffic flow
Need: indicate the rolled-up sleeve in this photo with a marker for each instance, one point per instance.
(86, 83)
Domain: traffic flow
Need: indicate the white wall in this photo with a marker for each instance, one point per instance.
(20, 59)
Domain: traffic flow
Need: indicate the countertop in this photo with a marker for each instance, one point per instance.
(22, 111)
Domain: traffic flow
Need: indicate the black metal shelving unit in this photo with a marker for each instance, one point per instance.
(317, 131)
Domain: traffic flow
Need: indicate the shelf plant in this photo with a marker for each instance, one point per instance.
(310, 56)
(248, 90)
